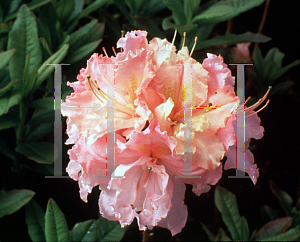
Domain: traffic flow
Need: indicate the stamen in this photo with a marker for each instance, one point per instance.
(257, 104)
(104, 51)
(102, 95)
(184, 35)
(173, 41)
(113, 49)
(139, 189)
(196, 38)
(149, 169)
(259, 109)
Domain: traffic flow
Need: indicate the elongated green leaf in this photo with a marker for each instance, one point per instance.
(287, 68)
(35, 220)
(45, 70)
(273, 228)
(232, 39)
(274, 55)
(191, 7)
(41, 152)
(65, 9)
(83, 51)
(109, 230)
(84, 231)
(24, 39)
(33, 5)
(8, 120)
(43, 103)
(5, 57)
(227, 205)
(221, 236)
(290, 235)
(285, 199)
(56, 227)
(13, 200)
(152, 28)
(81, 36)
(147, 8)
(39, 131)
(4, 86)
(224, 10)
(92, 7)
(177, 8)
(8, 100)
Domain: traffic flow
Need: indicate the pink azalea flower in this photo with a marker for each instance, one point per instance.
(212, 85)
(149, 124)
(86, 107)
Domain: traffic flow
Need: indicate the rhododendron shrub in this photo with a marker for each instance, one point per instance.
(149, 123)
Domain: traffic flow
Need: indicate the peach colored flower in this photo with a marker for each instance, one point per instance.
(86, 107)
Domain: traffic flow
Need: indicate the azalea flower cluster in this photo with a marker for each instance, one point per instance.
(149, 130)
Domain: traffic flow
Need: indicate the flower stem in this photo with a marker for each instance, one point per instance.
(147, 235)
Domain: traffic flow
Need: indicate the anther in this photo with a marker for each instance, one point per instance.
(196, 38)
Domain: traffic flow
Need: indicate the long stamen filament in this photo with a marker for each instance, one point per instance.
(259, 109)
(139, 188)
(173, 41)
(102, 95)
(194, 46)
(184, 35)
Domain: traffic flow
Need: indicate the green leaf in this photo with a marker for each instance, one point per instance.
(24, 39)
(177, 8)
(285, 199)
(6, 86)
(287, 68)
(33, 5)
(274, 55)
(40, 152)
(8, 121)
(35, 132)
(81, 36)
(221, 236)
(84, 231)
(147, 8)
(56, 227)
(191, 7)
(8, 100)
(290, 235)
(273, 228)
(5, 57)
(45, 70)
(45, 47)
(109, 230)
(35, 220)
(232, 39)
(65, 9)
(43, 103)
(83, 51)
(227, 205)
(209, 234)
(92, 7)
(258, 60)
(224, 10)
(13, 200)
(150, 26)
(121, 5)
